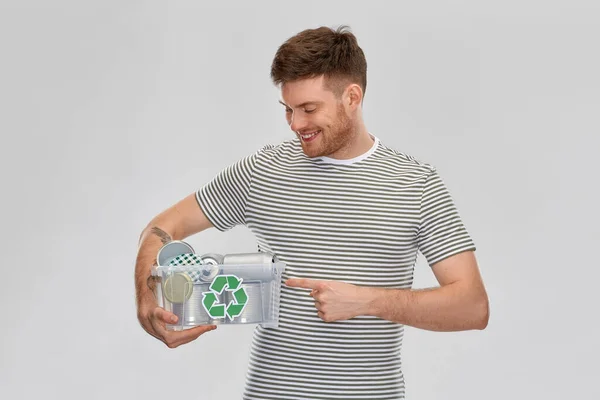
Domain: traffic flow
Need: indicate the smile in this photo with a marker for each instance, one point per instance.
(307, 137)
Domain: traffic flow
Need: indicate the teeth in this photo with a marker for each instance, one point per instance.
(308, 136)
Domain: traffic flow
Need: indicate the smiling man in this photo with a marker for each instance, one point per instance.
(348, 215)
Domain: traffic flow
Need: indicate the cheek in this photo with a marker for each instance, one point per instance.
(321, 121)
(330, 120)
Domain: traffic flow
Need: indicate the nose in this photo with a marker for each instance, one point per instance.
(297, 123)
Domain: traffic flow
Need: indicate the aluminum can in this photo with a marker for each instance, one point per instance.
(191, 313)
(171, 250)
(255, 269)
(250, 266)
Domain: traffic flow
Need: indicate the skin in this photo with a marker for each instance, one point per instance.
(460, 303)
(175, 223)
(310, 107)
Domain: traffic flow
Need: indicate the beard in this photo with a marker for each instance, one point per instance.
(333, 138)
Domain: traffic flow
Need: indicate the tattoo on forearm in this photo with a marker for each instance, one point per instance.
(164, 236)
(152, 281)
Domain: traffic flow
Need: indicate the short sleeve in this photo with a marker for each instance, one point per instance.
(442, 232)
(223, 199)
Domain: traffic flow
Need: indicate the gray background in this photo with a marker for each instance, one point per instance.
(112, 111)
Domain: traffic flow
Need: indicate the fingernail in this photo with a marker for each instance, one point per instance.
(173, 318)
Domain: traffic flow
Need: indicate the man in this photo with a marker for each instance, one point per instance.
(348, 215)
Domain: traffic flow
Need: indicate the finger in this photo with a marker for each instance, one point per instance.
(159, 318)
(325, 318)
(164, 316)
(175, 339)
(149, 328)
(159, 329)
(319, 296)
(304, 283)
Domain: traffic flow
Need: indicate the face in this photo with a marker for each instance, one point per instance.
(317, 117)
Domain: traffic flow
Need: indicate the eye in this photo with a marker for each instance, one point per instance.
(312, 110)
(288, 110)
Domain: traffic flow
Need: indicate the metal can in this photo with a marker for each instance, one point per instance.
(253, 311)
(211, 266)
(171, 250)
(250, 258)
(255, 270)
(192, 313)
(251, 266)
(212, 258)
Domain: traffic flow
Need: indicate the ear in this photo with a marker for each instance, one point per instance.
(353, 96)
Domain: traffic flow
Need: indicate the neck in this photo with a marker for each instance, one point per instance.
(359, 142)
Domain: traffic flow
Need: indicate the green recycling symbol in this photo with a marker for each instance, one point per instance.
(227, 283)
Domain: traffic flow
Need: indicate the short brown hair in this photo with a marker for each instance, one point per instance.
(322, 51)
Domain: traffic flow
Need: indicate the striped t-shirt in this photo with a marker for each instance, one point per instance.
(360, 221)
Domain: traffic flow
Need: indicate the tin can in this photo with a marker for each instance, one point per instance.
(250, 258)
(253, 311)
(211, 266)
(212, 258)
(251, 266)
(192, 313)
(171, 250)
(255, 270)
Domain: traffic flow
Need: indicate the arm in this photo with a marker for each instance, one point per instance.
(175, 223)
(460, 303)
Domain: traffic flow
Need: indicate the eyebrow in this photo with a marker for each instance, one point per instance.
(316, 103)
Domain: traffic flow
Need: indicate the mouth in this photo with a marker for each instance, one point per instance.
(309, 136)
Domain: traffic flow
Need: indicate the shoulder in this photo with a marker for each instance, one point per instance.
(401, 162)
(288, 150)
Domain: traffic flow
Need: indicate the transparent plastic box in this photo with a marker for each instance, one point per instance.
(208, 294)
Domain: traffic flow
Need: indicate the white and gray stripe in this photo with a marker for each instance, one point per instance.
(361, 223)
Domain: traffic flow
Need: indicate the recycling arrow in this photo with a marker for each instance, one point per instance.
(232, 286)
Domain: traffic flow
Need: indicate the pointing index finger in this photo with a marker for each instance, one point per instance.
(304, 283)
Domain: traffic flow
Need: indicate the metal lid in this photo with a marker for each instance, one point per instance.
(178, 287)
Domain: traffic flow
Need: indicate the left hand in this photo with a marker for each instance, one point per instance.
(335, 301)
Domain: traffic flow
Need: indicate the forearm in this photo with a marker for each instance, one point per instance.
(151, 240)
(446, 308)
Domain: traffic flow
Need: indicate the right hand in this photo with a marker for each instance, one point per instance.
(154, 319)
